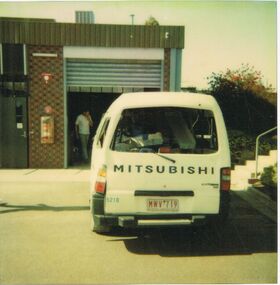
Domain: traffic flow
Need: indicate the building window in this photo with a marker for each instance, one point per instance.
(13, 81)
(12, 59)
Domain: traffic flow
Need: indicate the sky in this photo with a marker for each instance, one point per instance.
(218, 34)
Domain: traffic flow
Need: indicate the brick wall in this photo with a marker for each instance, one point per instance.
(166, 77)
(40, 96)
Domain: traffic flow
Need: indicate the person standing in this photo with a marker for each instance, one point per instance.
(82, 127)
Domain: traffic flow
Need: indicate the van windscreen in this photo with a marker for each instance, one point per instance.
(166, 129)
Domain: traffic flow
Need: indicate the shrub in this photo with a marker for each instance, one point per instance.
(269, 176)
(245, 102)
(242, 146)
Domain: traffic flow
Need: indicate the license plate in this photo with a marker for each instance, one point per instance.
(171, 205)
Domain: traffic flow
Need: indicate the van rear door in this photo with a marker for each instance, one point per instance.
(164, 160)
(155, 184)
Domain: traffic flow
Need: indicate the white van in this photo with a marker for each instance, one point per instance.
(159, 159)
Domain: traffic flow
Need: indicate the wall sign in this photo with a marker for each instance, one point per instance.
(47, 130)
(46, 76)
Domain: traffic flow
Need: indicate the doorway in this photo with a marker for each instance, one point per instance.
(97, 104)
(14, 144)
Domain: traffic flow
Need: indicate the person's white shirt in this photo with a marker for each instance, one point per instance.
(83, 123)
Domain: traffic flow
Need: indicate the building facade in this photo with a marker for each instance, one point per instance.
(50, 72)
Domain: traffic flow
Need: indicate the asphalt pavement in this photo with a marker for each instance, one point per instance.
(46, 239)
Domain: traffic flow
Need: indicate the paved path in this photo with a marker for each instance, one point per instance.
(45, 238)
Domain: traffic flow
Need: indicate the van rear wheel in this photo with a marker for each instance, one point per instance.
(98, 228)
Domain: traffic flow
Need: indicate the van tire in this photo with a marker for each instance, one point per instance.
(99, 229)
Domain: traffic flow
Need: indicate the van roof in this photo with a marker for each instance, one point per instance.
(162, 99)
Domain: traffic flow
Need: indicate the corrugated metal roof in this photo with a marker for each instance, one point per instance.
(15, 19)
(97, 35)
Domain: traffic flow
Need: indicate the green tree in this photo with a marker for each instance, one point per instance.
(245, 101)
(151, 22)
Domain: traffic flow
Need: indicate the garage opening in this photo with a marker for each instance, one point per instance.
(97, 104)
(95, 84)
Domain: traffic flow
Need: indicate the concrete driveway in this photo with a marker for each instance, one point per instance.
(45, 238)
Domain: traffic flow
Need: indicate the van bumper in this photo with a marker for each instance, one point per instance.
(147, 221)
(135, 221)
(101, 219)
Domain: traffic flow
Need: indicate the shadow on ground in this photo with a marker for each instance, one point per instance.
(8, 208)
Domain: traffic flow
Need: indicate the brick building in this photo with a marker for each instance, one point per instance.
(54, 70)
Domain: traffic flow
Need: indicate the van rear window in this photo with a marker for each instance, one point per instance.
(166, 129)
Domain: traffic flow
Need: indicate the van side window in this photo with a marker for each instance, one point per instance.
(205, 130)
(168, 129)
(103, 132)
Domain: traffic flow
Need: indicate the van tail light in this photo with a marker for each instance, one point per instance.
(225, 179)
(100, 184)
(164, 149)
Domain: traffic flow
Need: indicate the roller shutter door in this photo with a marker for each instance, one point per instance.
(114, 74)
